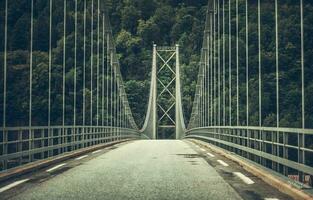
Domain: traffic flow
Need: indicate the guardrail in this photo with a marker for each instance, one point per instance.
(288, 151)
(21, 145)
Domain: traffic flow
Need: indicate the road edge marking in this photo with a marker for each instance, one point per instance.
(244, 178)
(211, 155)
(272, 180)
(12, 185)
(55, 167)
(223, 163)
(81, 157)
(97, 151)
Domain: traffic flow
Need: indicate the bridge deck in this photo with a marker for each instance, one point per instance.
(144, 170)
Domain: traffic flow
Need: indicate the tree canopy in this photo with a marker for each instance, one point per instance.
(136, 25)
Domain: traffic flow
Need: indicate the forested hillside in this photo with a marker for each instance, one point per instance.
(137, 24)
(140, 23)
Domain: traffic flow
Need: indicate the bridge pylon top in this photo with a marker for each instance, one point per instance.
(166, 48)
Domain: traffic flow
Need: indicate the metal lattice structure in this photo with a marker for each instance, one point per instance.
(165, 107)
(166, 91)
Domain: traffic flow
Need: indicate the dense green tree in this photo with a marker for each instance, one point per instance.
(137, 24)
(130, 16)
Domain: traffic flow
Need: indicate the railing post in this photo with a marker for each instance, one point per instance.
(285, 152)
(31, 145)
(20, 145)
(42, 141)
(273, 149)
(5, 147)
(59, 139)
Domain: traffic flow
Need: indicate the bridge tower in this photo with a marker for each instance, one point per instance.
(164, 119)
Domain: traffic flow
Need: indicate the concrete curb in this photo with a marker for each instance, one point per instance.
(266, 177)
(31, 167)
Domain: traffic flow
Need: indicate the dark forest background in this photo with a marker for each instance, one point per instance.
(137, 24)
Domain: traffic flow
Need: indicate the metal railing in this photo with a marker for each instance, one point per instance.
(237, 106)
(285, 150)
(87, 109)
(21, 145)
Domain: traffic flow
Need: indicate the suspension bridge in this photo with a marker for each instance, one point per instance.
(69, 132)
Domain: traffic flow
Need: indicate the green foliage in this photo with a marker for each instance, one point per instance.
(137, 24)
(140, 23)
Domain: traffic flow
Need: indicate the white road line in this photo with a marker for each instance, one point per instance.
(202, 149)
(223, 163)
(271, 199)
(56, 167)
(244, 178)
(16, 183)
(211, 155)
(96, 151)
(82, 157)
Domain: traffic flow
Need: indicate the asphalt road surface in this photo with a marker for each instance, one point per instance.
(145, 169)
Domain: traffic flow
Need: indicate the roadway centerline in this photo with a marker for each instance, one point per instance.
(82, 157)
(223, 163)
(16, 183)
(244, 178)
(56, 167)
